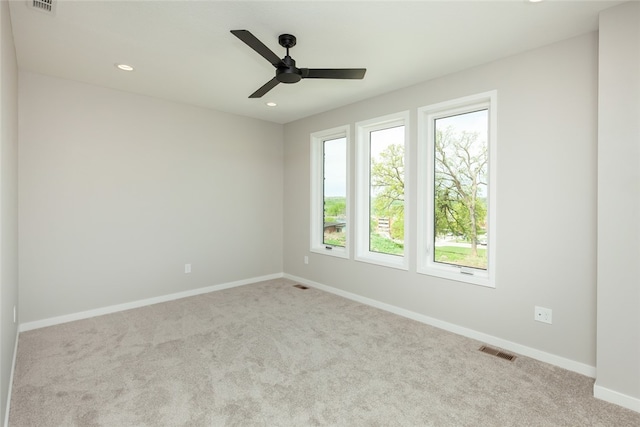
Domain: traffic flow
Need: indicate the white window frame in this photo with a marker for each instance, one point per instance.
(317, 191)
(426, 168)
(363, 162)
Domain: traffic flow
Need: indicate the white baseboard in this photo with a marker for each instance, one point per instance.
(615, 397)
(13, 367)
(552, 359)
(140, 303)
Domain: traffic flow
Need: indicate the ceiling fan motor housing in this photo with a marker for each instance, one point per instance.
(289, 73)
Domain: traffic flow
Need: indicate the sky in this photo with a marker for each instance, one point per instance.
(477, 121)
(335, 167)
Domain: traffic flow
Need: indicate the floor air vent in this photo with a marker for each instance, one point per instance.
(299, 286)
(497, 353)
(46, 6)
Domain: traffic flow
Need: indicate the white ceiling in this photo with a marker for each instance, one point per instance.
(183, 50)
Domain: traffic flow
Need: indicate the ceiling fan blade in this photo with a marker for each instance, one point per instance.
(258, 46)
(333, 73)
(265, 88)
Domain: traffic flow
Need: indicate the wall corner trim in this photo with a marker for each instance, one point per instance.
(616, 397)
(13, 368)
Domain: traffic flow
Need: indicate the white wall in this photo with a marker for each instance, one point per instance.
(546, 243)
(8, 201)
(618, 378)
(118, 191)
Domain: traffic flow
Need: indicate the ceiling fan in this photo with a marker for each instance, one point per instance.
(286, 70)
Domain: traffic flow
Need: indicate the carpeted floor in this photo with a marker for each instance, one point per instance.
(270, 354)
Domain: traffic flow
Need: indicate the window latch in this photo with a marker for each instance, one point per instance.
(465, 270)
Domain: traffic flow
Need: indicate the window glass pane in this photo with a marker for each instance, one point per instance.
(335, 192)
(460, 189)
(386, 200)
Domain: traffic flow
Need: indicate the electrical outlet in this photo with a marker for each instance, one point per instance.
(306, 259)
(187, 268)
(542, 314)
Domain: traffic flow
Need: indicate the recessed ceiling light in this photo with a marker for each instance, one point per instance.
(124, 67)
(535, 1)
(271, 104)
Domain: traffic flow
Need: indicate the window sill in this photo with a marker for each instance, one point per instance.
(480, 279)
(335, 251)
(384, 260)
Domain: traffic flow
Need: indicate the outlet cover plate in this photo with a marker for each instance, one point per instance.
(542, 314)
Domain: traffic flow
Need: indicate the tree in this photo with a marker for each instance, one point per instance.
(448, 218)
(460, 169)
(387, 180)
(335, 206)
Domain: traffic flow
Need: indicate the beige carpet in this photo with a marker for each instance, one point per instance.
(270, 354)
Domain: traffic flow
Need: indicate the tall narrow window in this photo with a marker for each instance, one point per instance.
(386, 191)
(461, 155)
(457, 189)
(382, 191)
(335, 192)
(329, 192)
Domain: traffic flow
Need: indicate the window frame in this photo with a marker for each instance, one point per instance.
(317, 244)
(426, 194)
(362, 205)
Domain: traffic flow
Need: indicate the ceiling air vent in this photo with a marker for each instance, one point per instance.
(46, 6)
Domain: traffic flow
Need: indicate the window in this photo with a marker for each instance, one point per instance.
(329, 192)
(456, 189)
(381, 190)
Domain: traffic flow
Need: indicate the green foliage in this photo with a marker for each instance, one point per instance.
(452, 216)
(387, 180)
(335, 207)
(335, 210)
(397, 228)
(378, 243)
(335, 239)
(461, 256)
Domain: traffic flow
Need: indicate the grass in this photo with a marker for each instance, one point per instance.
(335, 239)
(461, 256)
(385, 245)
(447, 254)
(377, 244)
